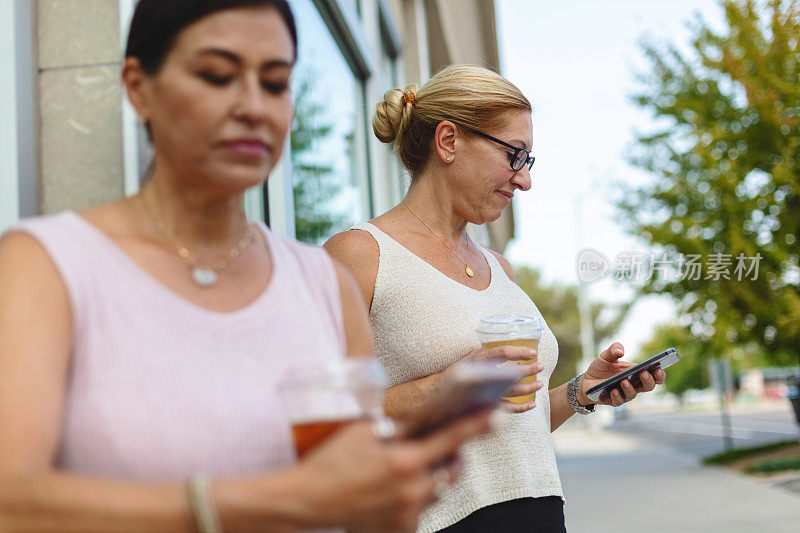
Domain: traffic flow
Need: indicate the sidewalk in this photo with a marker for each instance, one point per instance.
(618, 484)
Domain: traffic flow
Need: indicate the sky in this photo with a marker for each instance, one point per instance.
(576, 61)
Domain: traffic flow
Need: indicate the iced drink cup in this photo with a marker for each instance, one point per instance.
(320, 401)
(512, 330)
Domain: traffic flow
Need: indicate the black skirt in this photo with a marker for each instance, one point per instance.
(525, 515)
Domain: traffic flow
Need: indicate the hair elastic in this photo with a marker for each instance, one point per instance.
(408, 97)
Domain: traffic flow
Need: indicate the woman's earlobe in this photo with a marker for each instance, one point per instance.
(134, 79)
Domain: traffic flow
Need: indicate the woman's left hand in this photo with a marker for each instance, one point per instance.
(609, 364)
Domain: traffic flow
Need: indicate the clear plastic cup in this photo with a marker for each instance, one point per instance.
(512, 330)
(320, 400)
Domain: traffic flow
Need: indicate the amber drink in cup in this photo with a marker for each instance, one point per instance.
(512, 330)
(320, 401)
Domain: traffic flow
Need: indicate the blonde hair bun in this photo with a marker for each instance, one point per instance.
(470, 96)
(393, 115)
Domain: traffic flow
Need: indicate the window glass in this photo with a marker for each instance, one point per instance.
(355, 4)
(328, 197)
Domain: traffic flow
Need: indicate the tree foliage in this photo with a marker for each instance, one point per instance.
(690, 372)
(726, 174)
(315, 184)
(559, 307)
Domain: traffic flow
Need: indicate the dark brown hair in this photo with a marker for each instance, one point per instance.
(156, 24)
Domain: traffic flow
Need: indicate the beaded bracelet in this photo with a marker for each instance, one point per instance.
(572, 396)
(204, 512)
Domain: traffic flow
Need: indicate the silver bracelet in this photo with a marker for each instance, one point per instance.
(572, 396)
(204, 512)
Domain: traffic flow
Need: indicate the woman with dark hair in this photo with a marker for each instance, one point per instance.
(141, 341)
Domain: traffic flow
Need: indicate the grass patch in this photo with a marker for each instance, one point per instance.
(770, 466)
(733, 456)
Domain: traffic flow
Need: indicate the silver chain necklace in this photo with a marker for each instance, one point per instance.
(204, 275)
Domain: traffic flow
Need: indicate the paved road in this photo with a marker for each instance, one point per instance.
(700, 433)
(617, 483)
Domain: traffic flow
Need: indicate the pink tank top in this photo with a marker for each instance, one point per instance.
(159, 388)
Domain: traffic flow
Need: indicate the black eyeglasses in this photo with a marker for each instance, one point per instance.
(518, 159)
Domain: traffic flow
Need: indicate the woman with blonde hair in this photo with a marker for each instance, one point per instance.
(465, 137)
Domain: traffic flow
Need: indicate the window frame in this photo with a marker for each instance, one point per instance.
(346, 28)
(19, 161)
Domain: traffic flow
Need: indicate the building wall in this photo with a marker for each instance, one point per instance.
(80, 93)
(88, 149)
(469, 28)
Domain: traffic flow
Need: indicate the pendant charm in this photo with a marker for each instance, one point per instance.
(204, 276)
(469, 272)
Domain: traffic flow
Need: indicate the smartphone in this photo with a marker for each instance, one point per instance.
(467, 388)
(663, 360)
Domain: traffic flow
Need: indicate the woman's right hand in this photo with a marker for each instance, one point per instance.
(357, 481)
(518, 354)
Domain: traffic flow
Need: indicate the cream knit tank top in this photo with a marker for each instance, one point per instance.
(423, 322)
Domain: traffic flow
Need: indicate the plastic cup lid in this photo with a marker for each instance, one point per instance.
(514, 324)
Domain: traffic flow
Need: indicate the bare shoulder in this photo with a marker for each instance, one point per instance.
(29, 279)
(352, 242)
(358, 252)
(505, 264)
(23, 257)
(355, 249)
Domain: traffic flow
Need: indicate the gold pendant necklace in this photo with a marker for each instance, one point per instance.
(467, 268)
(203, 275)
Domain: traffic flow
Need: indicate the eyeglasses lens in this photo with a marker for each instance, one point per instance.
(520, 160)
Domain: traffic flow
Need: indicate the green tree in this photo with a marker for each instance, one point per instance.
(559, 307)
(690, 372)
(695, 352)
(315, 185)
(726, 175)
